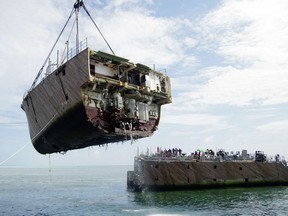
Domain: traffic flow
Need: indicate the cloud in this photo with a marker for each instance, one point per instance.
(241, 87)
(28, 33)
(275, 127)
(250, 38)
(228, 67)
(193, 119)
(242, 30)
(134, 32)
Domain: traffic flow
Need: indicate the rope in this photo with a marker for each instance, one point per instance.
(49, 163)
(13, 154)
(98, 29)
(12, 123)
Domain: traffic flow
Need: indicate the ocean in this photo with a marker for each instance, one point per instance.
(101, 190)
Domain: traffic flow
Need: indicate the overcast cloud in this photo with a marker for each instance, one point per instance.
(227, 60)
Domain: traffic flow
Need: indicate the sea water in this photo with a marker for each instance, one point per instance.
(101, 190)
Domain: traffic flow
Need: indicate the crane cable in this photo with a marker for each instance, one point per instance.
(97, 28)
(40, 71)
(76, 6)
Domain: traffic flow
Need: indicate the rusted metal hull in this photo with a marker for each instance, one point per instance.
(180, 175)
(95, 99)
(73, 131)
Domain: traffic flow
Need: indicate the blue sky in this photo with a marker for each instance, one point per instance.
(227, 60)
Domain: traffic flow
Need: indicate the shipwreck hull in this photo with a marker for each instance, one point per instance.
(180, 175)
(73, 131)
(93, 99)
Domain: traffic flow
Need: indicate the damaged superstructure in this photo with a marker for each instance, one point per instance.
(124, 98)
(93, 99)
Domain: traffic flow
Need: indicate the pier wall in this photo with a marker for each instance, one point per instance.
(182, 174)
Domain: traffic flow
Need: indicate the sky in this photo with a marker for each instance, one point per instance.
(227, 60)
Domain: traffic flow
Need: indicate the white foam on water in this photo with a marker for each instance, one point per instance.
(163, 214)
(133, 210)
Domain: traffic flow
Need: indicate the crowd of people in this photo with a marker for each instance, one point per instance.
(174, 152)
(198, 154)
(220, 154)
(170, 152)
